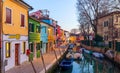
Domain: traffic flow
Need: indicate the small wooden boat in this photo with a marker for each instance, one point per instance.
(66, 64)
(77, 56)
(87, 51)
(98, 55)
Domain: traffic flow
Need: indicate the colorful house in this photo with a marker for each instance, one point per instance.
(67, 35)
(58, 35)
(43, 16)
(73, 37)
(15, 32)
(62, 36)
(44, 36)
(51, 39)
(34, 37)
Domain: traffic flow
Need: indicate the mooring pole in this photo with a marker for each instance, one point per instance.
(33, 66)
(60, 52)
(43, 60)
(55, 56)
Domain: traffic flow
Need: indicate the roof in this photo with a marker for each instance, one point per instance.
(111, 13)
(47, 24)
(34, 19)
(25, 4)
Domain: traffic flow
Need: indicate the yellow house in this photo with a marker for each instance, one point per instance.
(15, 32)
(51, 39)
(72, 38)
(62, 35)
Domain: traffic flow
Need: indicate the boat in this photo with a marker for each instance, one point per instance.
(66, 64)
(77, 56)
(98, 55)
(87, 51)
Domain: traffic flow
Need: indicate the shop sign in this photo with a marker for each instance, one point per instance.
(17, 36)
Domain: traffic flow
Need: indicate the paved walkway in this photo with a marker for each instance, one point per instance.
(26, 67)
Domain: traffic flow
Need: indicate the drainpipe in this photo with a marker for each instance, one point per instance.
(2, 68)
(0, 35)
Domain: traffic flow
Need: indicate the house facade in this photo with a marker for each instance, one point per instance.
(67, 35)
(34, 37)
(109, 28)
(51, 40)
(44, 17)
(44, 37)
(58, 32)
(15, 32)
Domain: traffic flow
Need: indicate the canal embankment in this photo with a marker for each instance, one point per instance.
(55, 62)
(115, 59)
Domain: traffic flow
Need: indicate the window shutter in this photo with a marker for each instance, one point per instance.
(8, 15)
(22, 20)
(32, 27)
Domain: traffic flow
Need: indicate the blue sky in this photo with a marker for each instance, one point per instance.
(64, 11)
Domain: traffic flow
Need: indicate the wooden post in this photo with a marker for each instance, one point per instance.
(55, 56)
(60, 51)
(43, 61)
(33, 66)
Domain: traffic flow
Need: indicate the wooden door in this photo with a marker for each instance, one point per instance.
(16, 54)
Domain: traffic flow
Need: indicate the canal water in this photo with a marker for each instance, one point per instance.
(90, 64)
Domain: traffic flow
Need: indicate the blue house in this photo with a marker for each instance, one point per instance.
(44, 37)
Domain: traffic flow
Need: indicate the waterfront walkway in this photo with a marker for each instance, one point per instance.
(49, 59)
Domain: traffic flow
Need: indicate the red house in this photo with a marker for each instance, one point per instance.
(58, 33)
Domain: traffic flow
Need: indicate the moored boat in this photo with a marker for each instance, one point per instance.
(66, 64)
(98, 55)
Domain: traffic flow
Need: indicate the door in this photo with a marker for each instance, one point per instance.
(17, 54)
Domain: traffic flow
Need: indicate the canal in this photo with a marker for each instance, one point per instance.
(90, 64)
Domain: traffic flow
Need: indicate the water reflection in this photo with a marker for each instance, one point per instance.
(90, 64)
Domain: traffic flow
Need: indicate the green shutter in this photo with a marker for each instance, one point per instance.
(32, 27)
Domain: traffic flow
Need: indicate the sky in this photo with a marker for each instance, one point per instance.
(63, 11)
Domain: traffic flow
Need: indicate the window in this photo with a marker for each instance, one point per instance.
(116, 18)
(38, 46)
(41, 43)
(8, 15)
(105, 23)
(45, 30)
(24, 47)
(31, 27)
(7, 49)
(105, 37)
(38, 29)
(31, 46)
(22, 20)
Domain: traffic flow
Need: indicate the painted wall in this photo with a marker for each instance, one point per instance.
(11, 59)
(44, 34)
(17, 10)
(48, 21)
(72, 38)
(13, 29)
(34, 36)
(44, 37)
(50, 34)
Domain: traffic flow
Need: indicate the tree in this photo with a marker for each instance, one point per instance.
(90, 10)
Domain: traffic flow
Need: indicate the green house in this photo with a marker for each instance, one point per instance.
(34, 37)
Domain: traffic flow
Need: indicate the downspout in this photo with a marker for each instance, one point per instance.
(1, 37)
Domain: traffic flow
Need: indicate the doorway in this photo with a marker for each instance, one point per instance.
(17, 54)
